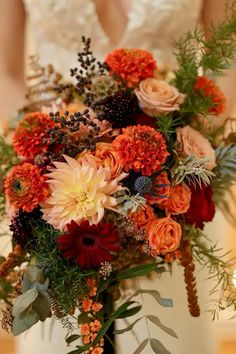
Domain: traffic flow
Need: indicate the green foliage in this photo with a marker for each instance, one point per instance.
(212, 55)
(66, 279)
(8, 159)
(193, 170)
(219, 268)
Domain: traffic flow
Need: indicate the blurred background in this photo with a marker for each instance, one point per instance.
(222, 332)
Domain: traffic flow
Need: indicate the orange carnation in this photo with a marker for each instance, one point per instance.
(85, 329)
(163, 236)
(25, 188)
(131, 65)
(141, 148)
(179, 200)
(142, 216)
(160, 191)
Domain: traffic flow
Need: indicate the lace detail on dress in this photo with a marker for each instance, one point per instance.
(57, 26)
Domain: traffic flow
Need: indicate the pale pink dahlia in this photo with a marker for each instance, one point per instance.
(79, 192)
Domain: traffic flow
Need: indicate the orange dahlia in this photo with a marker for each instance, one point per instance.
(141, 148)
(131, 65)
(31, 135)
(208, 88)
(25, 187)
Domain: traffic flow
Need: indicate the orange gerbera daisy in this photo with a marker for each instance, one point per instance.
(25, 187)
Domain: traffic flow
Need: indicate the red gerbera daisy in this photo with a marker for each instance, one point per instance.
(141, 148)
(31, 135)
(208, 88)
(131, 65)
(25, 188)
(89, 245)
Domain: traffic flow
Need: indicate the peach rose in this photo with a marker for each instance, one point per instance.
(192, 143)
(160, 190)
(163, 235)
(178, 201)
(157, 96)
(107, 157)
(142, 216)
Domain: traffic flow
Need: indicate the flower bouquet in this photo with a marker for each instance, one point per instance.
(113, 177)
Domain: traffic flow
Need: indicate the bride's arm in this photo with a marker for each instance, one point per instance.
(213, 12)
(12, 25)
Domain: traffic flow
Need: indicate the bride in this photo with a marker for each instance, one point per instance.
(57, 26)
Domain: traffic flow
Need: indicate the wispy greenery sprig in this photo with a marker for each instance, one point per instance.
(193, 170)
(220, 268)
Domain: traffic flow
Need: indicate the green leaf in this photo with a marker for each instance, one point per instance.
(128, 328)
(24, 321)
(141, 346)
(82, 318)
(158, 347)
(23, 301)
(158, 323)
(165, 302)
(80, 350)
(72, 338)
(42, 305)
(137, 271)
(130, 312)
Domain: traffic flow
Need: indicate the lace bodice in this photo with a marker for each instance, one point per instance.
(57, 26)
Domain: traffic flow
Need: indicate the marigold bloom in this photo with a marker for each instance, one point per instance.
(95, 326)
(142, 216)
(31, 133)
(79, 192)
(86, 304)
(208, 88)
(141, 148)
(131, 65)
(85, 329)
(25, 188)
(163, 235)
(89, 245)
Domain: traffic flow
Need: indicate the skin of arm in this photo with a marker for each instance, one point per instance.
(213, 12)
(12, 43)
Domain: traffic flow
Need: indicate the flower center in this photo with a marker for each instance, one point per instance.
(17, 186)
(89, 240)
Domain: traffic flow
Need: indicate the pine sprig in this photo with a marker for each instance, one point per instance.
(193, 170)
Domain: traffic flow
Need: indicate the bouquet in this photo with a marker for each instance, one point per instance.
(114, 177)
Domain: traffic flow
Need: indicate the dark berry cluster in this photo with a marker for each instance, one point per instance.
(119, 109)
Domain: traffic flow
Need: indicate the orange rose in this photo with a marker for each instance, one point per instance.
(107, 157)
(142, 216)
(158, 97)
(192, 143)
(163, 235)
(179, 200)
(160, 191)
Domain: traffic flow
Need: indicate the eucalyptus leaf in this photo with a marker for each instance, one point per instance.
(158, 323)
(158, 347)
(42, 305)
(141, 346)
(24, 301)
(128, 328)
(24, 321)
(165, 302)
(72, 338)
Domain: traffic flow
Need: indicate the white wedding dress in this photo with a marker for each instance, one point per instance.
(57, 26)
